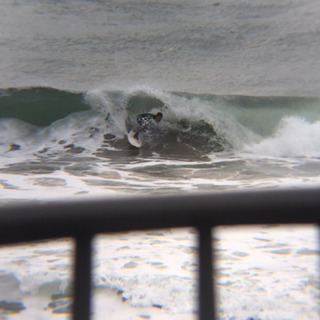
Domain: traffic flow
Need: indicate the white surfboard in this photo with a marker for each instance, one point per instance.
(133, 141)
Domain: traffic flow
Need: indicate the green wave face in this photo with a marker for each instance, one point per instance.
(39, 106)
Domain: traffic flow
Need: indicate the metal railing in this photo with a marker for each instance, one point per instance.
(83, 219)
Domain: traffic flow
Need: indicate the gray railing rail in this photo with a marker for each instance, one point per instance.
(81, 220)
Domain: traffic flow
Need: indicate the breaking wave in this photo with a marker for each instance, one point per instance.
(50, 120)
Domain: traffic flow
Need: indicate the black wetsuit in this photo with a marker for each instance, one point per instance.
(145, 118)
(144, 121)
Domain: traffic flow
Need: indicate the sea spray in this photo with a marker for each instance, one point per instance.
(294, 137)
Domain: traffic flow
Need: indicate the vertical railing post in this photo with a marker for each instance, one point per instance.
(82, 278)
(206, 292)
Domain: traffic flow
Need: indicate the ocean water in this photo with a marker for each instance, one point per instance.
(238, 85)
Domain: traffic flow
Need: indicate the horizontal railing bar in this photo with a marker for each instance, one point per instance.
(69, 219)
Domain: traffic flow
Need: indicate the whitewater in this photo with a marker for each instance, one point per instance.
(238, 86)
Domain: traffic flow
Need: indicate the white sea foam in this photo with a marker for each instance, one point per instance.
(294, 137)
(267, 272)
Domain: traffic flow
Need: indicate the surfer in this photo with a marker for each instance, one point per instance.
(145, 120)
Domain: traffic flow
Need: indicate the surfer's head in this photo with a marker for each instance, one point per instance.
(158, 117)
